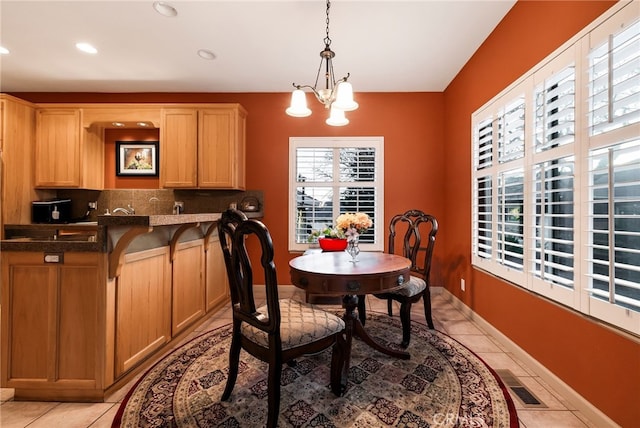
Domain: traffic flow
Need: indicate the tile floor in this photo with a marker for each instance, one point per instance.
(557, 413)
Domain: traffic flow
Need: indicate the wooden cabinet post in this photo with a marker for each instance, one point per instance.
(216, 281)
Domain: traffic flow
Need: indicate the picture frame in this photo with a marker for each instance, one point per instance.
(137, 158)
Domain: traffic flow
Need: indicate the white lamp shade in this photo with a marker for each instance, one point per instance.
(298, 107)
(336, 117)
(344, 97)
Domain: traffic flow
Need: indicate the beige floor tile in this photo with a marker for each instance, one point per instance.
(453, 327)
(19, 414)
(550, 419)
(72, 415)
(6, 394)
(476, 342)
(106, 419)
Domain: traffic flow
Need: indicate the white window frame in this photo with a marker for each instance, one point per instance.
(575, 51)
(338, 142)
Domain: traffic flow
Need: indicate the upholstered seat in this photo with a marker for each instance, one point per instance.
(299, 324)
(279, 331)
(415, 233)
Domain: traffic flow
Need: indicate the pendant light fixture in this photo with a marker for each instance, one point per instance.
(337, 97)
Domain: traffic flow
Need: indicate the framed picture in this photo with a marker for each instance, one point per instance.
(137, 158)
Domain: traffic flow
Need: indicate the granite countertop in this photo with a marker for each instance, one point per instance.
(156, 220)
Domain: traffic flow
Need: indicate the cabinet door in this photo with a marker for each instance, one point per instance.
(50, 324)
(221, 148)
(217, 285)
(187, 285)
(178, 148)
(143, 314)
(58, 142)
(17, 130)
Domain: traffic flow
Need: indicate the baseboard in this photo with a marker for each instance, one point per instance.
(594, 414)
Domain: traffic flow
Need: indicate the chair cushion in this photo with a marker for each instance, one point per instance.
(416, 285)
(300, 324)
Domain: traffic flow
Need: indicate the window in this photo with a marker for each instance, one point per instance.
(331, 176)
(559, 213)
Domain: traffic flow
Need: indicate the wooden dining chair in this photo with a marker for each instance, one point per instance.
(281, 330)
(412, 235)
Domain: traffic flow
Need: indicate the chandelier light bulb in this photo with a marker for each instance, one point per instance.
(298, 106)
(344, 98)
(337, 118)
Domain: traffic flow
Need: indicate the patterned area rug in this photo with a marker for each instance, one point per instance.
(444, 384)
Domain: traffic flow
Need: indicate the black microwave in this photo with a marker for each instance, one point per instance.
(53, 211)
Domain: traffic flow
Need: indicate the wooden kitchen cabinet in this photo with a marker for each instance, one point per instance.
(17, 122)
(66, 154)
(203, 147)
(188, 293)
(52, 325)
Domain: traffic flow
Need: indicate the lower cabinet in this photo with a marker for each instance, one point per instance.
(188, 285)
(70, 332)
(143, 307)
(53, 325)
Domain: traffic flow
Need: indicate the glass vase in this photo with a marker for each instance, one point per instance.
(353, 249)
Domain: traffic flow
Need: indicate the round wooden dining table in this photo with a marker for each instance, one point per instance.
(334, 274)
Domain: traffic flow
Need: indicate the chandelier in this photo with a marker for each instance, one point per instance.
(337, 97)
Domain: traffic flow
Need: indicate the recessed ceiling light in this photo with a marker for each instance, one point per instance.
(206, 54)
(118, 124)
(86, 47)
(143, 124)
(4, 51)
(164, 9)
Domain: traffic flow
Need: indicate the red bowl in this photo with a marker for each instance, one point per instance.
(332, 244)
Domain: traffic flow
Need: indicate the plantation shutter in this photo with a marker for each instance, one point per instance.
(482, 190)
(555, 110)
(614, 74)
(554, 222)
(615, 224)
(510, 229)
(511, 131)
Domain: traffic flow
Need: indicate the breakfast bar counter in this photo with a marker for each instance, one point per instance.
(86, 306)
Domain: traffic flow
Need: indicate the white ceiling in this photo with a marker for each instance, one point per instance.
(260, 46)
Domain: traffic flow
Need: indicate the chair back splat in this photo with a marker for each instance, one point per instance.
(412, 235)
(415, 224)
(263, 331)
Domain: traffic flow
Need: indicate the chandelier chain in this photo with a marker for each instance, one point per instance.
(327, 40)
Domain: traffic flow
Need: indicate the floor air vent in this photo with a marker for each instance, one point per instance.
(526, 397)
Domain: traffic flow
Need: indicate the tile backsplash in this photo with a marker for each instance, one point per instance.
(156, 201)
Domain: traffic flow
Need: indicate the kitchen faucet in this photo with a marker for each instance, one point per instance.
(129, 211)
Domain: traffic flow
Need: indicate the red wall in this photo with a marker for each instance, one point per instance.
(600, 364)
(427, 166)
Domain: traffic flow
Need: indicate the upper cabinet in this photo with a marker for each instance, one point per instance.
(66, 154)
(17, 125)
(203, 147)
